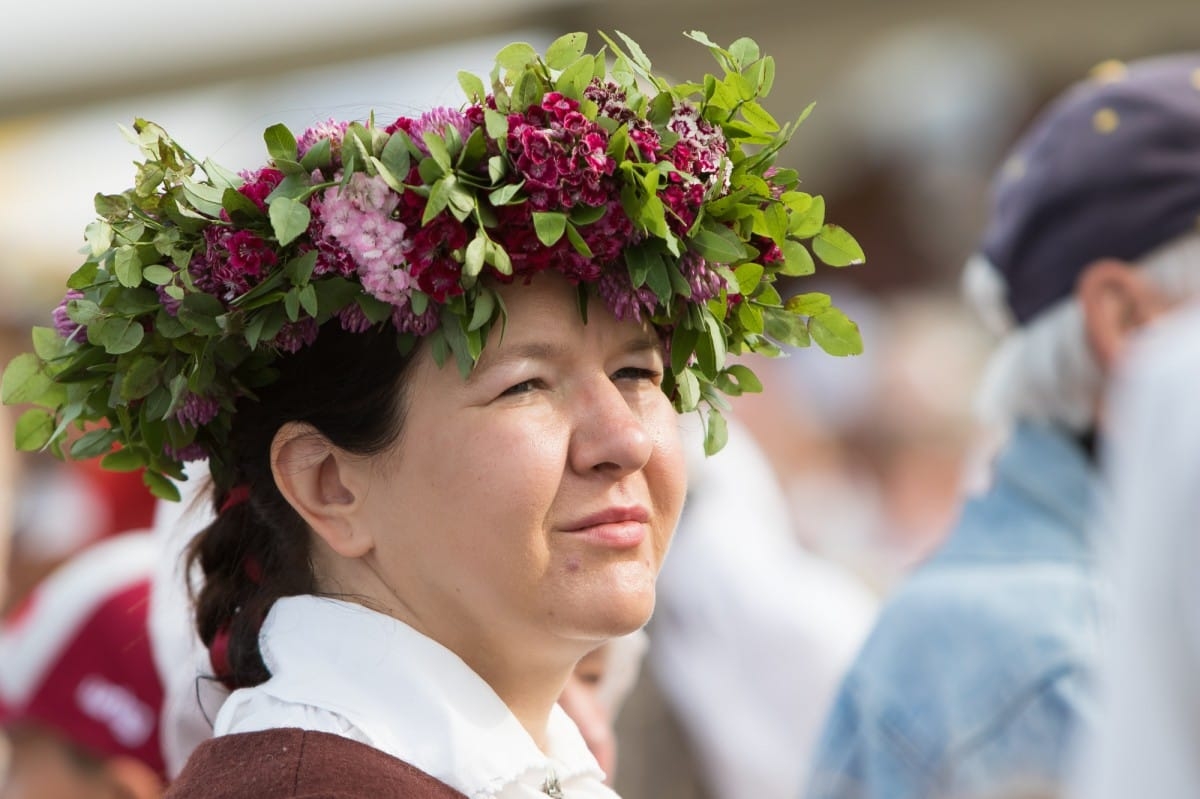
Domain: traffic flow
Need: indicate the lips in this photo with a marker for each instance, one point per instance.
(614, 527)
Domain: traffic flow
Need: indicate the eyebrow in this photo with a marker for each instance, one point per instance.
(553, 350)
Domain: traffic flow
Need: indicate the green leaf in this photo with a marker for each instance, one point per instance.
(93, 443)
(203, 197)
(308, 299)
(319, 156)
(141, 378)
(577, 242)
(744, 51)
(497, 168)
(24, 380)
(718, 244)
(786, 327)
(496, 255)
(116, 334)
(527, 91)
(745, 378)
(485, 305)
(123, 460)
(575, 78)
(688, 386)
(516, 56)
(281, 144)
(505, 194)
(716, 432)
(160, 486)
(814, 302)
(473, 262)
(33, 430)
(472, 86)
(683, 345)
(47, 343)
(112, 206)
(84, 276)
(565, 50)
(748, 277)
(808, 223)
(291, 304)
(199, 312)
(128, 266)
(157, 274)
(496, 124)
(835, 246)
(289, 218)
(396, 157)
(299, 270)
(835, 333)
(550, 226)
(438, 150)
(98, 235)
(796, 259)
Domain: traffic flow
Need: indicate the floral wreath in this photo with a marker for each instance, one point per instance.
(661, 199)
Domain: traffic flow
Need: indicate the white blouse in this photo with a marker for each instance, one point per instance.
(341, 668)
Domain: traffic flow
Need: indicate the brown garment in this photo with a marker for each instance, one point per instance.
(298, 764)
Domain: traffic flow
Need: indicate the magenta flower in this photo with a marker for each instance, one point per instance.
(296, 335)
(197, 410)
(63, 324)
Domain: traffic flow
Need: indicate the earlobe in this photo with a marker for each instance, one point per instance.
(1116, 301)
(320, 481)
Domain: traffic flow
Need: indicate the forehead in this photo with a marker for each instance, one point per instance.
(547, 316)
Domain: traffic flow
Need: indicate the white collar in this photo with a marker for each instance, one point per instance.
(408, 696)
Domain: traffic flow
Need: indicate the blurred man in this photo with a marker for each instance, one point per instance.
(79, 694)
(978, 675)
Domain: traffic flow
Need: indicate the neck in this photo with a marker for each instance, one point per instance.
(529, 689)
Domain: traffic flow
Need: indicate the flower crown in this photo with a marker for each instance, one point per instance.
(661, 199)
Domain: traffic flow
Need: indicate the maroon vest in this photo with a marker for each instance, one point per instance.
(294, 763)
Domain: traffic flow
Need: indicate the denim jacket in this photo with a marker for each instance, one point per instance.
(978, 671)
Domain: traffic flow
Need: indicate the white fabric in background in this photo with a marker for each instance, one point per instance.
(751, 633)
(1148, 741)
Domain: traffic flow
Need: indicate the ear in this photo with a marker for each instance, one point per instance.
(324, 484)
(1117, 300)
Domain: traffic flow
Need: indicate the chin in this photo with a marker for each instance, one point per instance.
(615, 606)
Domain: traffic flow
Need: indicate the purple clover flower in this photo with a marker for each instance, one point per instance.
(64, 325)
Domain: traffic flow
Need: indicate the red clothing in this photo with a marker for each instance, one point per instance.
(299, 764)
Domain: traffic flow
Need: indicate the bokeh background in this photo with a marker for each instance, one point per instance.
(916, 102)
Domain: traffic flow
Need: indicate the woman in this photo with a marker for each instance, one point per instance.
(435, 369)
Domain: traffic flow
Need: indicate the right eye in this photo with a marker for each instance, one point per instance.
(524, 387)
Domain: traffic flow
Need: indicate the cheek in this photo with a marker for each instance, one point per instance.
(667, 470)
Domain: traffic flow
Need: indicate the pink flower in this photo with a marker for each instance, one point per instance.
(63, 324)
(330, 129)
(192, 452)
(197, 410)
(296, 335)
(406, 321)
(234, 261)
(438, 121)
(260, 184)
(622, 298)
(353, 319)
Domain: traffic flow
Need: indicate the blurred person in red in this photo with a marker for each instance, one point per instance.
(80, 697)
(60, 509)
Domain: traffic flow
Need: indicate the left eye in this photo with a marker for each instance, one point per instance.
(524, 387)
(636, 373)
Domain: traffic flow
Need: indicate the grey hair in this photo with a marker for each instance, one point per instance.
(1045, 371)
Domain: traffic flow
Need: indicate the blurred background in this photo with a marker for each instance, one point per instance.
(915, 103)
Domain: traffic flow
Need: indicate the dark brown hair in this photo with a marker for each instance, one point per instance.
(350, 388)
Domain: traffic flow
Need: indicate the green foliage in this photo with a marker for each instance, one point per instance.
(134, 362)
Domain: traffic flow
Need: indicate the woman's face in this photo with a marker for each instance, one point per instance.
(532, 503)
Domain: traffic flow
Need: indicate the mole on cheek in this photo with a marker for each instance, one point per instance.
(572, 564)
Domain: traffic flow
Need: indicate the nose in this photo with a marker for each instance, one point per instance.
(610, 435)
